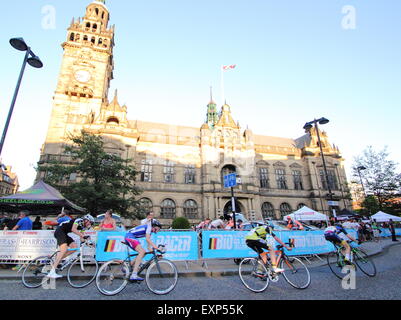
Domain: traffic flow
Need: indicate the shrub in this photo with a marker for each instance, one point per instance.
(181, 223)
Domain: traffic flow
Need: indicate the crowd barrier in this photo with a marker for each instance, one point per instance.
(20, 246)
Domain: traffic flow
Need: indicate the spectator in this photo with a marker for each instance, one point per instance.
(392, 230)
(63, 217)
(203, 224)
(148, 218)
(218, 223)
(10, 222)
(294, 224)
(108, 223)
(239, 224)
(37, 225)
(24, 223)
(3, 217)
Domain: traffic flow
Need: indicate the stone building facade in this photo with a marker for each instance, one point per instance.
(182, 168)
(9, 184)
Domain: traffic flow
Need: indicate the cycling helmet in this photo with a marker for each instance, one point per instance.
(156, 223)
(89, 218)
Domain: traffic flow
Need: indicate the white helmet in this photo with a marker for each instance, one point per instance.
(89, 218)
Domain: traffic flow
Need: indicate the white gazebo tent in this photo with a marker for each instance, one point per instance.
(307, 214)
(384, 217)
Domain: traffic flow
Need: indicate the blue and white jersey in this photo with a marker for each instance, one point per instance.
(140, 231)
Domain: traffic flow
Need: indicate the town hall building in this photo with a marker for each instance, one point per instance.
(181, 168)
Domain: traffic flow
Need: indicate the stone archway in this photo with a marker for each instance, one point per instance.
(239, 207)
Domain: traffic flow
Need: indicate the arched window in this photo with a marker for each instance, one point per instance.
(94, 27)
(88, 25)
(145, 206)
(72, 36)
(100, 41)
(268, 211)
(301, 205)
(113, 121)
(97, 11)
(93, 40)
(285, 209)
(167, 209)
(85, 38)
(191, 209)
(227, 170)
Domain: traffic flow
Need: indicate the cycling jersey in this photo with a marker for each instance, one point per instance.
(335, 233)
(335, 229)
(136, 233)
(260, 233)
(66, 226)
(140, 231)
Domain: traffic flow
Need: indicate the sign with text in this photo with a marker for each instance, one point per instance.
(28, 245)
(230, 180)
(180, 245)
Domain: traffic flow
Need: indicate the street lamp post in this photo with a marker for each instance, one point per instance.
(360, 177)
(32, 60)
(308, 126)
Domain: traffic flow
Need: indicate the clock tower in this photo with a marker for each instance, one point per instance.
(84, 79)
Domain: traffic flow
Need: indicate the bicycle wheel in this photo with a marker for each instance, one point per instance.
(336, 264)
(112, 277)
(35, 273)
(295, 272)
(161, 276)
(253, 274)
(362, 261)
(80, 276)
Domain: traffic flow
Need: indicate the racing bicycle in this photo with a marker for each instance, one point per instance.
(161, 274)
(336, 262)
(82, 268)
(256, 275)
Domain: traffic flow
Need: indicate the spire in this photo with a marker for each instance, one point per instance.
(211, 116)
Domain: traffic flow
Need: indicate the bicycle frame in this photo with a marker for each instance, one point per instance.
(143, 266)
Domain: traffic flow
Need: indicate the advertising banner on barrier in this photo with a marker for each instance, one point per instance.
(180, 245)
(386, 232)
(225, 244)
(27, 245)
(231, 244)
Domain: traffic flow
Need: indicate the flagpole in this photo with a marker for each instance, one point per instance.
(222, 86)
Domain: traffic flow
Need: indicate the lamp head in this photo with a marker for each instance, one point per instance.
(19, 44)
(35, 62)
(323, 121)
(308, 126)
(361, 168)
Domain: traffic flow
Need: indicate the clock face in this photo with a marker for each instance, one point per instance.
(82, 76)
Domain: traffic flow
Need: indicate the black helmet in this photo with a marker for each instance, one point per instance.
(156, 223)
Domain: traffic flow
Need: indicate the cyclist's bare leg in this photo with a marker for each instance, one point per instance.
(138, 259)
(347, 250)
(273, 256)
(60, 255)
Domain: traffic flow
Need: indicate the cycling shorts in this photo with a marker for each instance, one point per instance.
(131, 241)
(334, 238)
(62, 237)
(258, 246)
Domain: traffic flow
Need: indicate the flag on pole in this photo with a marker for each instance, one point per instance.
(229, 67)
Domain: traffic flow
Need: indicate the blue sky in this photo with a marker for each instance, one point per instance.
(295, 62)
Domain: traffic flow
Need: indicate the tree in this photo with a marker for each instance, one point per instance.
(379, 175)
(104, 181)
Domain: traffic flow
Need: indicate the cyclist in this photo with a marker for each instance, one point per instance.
(261, 238)
(336, 234)
(142, 231)
(64, 241)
